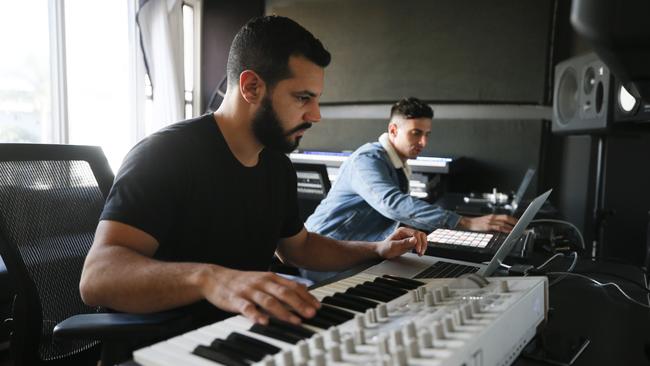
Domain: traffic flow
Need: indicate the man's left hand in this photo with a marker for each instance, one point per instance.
(401, 241)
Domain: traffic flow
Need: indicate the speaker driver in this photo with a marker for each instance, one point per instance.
(567, 96)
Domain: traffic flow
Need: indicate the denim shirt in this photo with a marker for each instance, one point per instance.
(365, 202)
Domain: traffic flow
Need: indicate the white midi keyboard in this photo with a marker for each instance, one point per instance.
(382, 320)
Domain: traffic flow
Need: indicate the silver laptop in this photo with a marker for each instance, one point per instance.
(412, 266)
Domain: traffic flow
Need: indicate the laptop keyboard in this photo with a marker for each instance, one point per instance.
(466, 238)
(446, 270)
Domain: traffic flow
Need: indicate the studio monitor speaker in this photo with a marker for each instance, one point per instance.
(582, 95)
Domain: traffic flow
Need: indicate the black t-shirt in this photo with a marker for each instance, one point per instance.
(183, 186)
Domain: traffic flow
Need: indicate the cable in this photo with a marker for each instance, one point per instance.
(599, 284)
(548, 261)
(582, 239)
(575, 260)
(571, 267)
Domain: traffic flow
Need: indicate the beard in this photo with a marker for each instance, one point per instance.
(267, 128)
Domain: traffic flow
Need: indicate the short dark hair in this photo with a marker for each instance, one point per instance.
(410, 108)
(264, 45)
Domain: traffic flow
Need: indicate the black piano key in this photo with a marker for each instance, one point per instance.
(253, 342)
(394, 283)
(290, 327)
(275, 333)
(387, 290)
(320, 322)
(369, 303)
(331, 317)
(220, 357)
(336, 311)
(405, 280)
(238, 348)
(346, 304)
(387, 295)
(360, 291)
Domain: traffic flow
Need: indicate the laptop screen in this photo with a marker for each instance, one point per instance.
(514, 235)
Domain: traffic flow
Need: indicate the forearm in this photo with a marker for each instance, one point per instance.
(141, 284)
(321, 253)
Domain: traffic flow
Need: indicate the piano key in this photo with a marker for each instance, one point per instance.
(336, 311)
(290, 327)
(388, 289)
(179, 353)
(252, 342)
(370, 294)
(243, 349)
(393, 283)
(222, 357)
(405, 280)
(346, 304)
(360, 300)
(276, 333)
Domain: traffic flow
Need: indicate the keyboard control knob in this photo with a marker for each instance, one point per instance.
(334, 334)
(319, 359)
(399, 358)
(303, 351)
(383, 345)
(445, 292)
(413, 348)
(360, 337)
(348, 345)
(359, 321)
(421, 292)
(449, 324)
(382, 311)
(287, 358)
(317, 342)
(409, 331)
(503, 286)
(437, 295)
(476, 306)
(429, 301)
(467, 311)
(438, 330)
(426, 339)
(371, 316)
(335, 353)
(396, 338)
(414, 296)
(268, 361)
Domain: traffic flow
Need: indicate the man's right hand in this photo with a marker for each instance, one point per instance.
(502, 223)
(258, 295)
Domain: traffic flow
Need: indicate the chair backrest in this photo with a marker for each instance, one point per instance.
(51, 197)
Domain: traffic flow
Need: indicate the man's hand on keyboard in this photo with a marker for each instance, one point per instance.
(401, 241)
(256, 295)
(502, 223)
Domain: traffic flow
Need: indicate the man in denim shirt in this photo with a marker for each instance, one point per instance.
(370, 197)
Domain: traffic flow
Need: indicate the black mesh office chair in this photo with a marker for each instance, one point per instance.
(51, 197)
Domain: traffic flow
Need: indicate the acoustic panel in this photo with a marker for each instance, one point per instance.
(461, 50)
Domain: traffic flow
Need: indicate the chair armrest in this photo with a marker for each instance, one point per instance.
(118, 326)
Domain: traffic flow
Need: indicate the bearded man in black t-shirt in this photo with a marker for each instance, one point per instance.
(198, 209)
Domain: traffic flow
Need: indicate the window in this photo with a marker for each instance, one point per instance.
(25, 86)
(75, 70)
(99, 68)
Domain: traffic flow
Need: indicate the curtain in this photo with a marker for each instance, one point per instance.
(161, 32)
